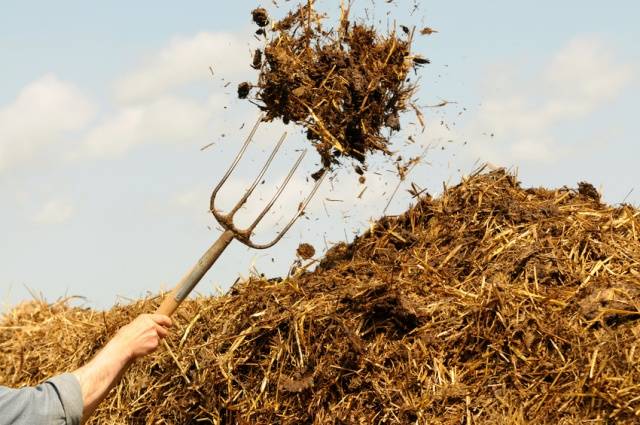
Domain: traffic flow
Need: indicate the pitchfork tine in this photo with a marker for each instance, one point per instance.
(291, 222)
(278, 193)
(257, 180)
(234, 164)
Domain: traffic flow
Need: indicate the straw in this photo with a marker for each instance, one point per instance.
(489, 304)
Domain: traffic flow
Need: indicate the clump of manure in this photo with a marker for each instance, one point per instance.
(344, 85)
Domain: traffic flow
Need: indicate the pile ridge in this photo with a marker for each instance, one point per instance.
(489, 304)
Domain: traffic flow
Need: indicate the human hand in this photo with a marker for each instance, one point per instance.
(143, 335)
(139, 338)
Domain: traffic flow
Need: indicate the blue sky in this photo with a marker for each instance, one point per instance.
(104, 109)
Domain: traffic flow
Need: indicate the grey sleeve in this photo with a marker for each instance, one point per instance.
(57, 401)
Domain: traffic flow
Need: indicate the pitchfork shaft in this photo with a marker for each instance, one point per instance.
(190, 280)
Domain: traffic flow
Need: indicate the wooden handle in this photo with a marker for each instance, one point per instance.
(182, 290)
(169, 305)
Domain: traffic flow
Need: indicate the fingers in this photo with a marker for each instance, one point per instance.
(143, 335)
(161, 323)
(162, 320)
(161, 331)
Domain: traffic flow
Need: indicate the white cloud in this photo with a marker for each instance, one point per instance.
(186, 60)
(152, 110)
(580, 78)
(54, 212)
(587, 70)
(43, 113)
(165, 120)
(46, 118)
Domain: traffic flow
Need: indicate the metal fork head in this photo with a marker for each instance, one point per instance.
(226, 219)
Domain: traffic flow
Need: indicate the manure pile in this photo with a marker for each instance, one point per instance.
(344, 85)
(490, 304)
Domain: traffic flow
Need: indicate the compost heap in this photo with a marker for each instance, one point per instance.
(344, 85)
(490, 304)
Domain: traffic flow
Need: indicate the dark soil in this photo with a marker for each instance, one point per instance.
(243, 90)
(260, 17)
(589, 191)
(257, 59)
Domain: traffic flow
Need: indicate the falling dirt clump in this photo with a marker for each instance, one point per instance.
(257, 59)
(243, 90)
(260, 17)
(427, 31)
(491, 304)
(305, 251)
(344, 85)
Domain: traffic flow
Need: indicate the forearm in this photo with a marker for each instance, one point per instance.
(101, 374)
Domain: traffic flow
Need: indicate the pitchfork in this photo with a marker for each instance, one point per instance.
(182, 290)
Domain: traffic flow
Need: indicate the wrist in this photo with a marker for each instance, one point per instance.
(119, 349)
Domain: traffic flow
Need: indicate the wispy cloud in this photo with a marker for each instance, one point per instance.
(185, 60)
(54, 212)
(151, 108)
(164, 120)
(41, 117)
(587, 72)
(51, 117)
(575, 82)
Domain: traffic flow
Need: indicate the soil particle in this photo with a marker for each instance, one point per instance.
(305, 251)
(393, 122)
(260, 17)
(427, 31)
(243, 90)
(257, 59)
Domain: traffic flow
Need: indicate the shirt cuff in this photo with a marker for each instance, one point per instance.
(70, 394)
